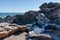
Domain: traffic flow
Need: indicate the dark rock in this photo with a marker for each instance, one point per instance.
(41, 19)
(19, 19)
(25, 19)
(44, 5)
(30, 15)
(52, 26)
(51, 11)
(8, 19)
(42, 37)
(1, 20)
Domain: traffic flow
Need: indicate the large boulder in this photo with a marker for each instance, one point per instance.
(35, 36)
(6, 29)
(49, 6)
(17, 19)
(27, 18)
(30, 16)
(51, 11)
(42, 37)
(3, 34)
(20, 19)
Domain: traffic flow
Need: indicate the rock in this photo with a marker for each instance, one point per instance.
(22, 28)
(41, 19)
(7, 29)
(4, 34)
(38, 30)
(58, 34)
(19, 19)
(35, 36)
(51, 26)
(1, 29)
(51, 11)
(29, 25)
(32, 33)
(13, 27)
(27, 18)
(30, 15)
(49, 6)
(10, 32)
(8, 19)
(58, 26)
(1, 20)
(42, 37)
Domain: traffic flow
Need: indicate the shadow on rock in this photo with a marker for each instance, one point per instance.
(17, 33)
(1, 39)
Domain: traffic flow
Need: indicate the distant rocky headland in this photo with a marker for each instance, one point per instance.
(48, 17)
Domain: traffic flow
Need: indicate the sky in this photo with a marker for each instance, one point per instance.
(21, 5)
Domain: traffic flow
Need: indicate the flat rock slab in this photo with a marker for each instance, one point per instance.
(16, 37)
(54, 36)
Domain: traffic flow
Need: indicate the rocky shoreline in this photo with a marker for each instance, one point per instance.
(47, 19)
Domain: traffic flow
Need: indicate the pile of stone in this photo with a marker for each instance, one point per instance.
(27, 18)
(48, 15)
(50, 10)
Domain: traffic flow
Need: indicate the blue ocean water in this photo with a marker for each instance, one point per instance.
(2, 15)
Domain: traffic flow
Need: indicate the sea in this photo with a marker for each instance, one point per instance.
(3, 15)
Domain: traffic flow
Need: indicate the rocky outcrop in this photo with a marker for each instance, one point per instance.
(19, 19)
(52, 11)
(39, 36)
(49, 13)
(30, 15)
(7, 29)
(25, 19)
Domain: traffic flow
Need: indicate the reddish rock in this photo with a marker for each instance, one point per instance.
(4, 34)
(22, 28)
